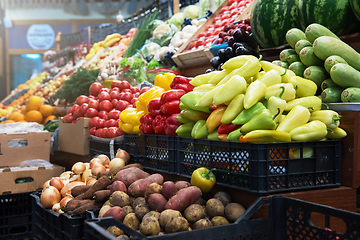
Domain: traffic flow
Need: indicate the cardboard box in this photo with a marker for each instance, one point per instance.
(37, 147)
(11, 180)
(74, 137)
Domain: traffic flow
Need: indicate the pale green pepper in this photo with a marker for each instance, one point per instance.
(329, 117)
(255, 92)
(275, 90)
(276, 105)
(270, 78)
(312, 102)
(298, 116)
(312, 131)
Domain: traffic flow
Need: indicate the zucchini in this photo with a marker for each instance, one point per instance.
(331, 95)
(301, 44)
(315, 30)
(284, 54)
(351, 94)
(308, 58)
(345, 75)
(281, 63)
(293, 58)
(298, 68)
(325, 47)
(328, 83)
(331, 61)
(316, 74)
(294, 35)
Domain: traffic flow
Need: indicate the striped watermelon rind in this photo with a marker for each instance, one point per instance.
(336, 15)
(355, 5)
(271, 19)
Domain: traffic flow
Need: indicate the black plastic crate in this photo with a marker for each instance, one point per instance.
(48, 225)
(152, 151)
(262, 168)
(15, 216)
(97, 147)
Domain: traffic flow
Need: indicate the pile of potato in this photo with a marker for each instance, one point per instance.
(147, 204)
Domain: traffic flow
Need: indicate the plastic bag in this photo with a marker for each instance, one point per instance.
(20, 127)
(35, 163)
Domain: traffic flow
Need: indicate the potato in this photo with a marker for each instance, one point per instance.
(201, 202)
(168, 189)
(103, 210)
(182, 184)
(137, 188)
(183, 198)
(202, 223)
(115, 212)
(214, 207)
(194, 212)
(150, 226)
(167, 215)
(118, 186)
(123, 237)
(114, 230)
(127, 210)
(107, 203)
(130, 175)
(224, 197)
(119, 198)
(233, 211)
(219, 221)
(157, 202)
(138, 201)
(152, 188)
(153, 214)
(132, 221)
(177, 224)
(132, 199)
(141, 210)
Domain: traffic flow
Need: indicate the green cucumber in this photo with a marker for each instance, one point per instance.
(301, 44)
(316, 74)
(351, 94)
(315, 30)
(345, 75)
(326, 46)
(281, 64)
(298, 68)
(331, 95)
(293, 58)
(308, 58)
(285, 53)
(331, 61)
(294, 35)
(328, 83)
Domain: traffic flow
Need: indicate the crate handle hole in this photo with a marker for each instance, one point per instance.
(327, 222)
(24, 180)
(18, 143)
(18, 230)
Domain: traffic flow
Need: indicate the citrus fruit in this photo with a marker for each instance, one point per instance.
(33, 116)
(46, 110)
(34, 103)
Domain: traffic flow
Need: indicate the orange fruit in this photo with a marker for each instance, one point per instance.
(51, 117)
(33, 116)
(34, 103)
(46, 110)
(22, 121)
(9, 121)
(20, 86)
(13, 115)
(19, 117)
(23, 109)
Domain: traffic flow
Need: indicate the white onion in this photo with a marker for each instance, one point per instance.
(95, 161)
(116, 163)
(123, 155)
(78, 168)
(85, 174)
(49, 197)
(104, 159)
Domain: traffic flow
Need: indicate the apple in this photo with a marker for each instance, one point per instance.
(81, 99)
(115, 95)
(103, 114)
(93, 131)
(111, 132)
(114, 102)
(93, 121)
(83, 108)
(121, 105)
(105, 105)
(100, 123)
(95, 88)
(127, 96)
(111, 123)
(104, 96)
(98, 131)
(91, 112)
(114, 114)
(93, 103)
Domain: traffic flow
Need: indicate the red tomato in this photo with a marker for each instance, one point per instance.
(211, 26)
(95, 88)
(111, 123)
(98, 132)
(93, 122)
(91, 112)
(81, 99)
(233, 5)
(104, 96)
(217, 31)
(225, 16)
(83, 108)
(111, 132)
(224, 9)
(93, 131)
(100, 123)
(114, 114)
(209, 33)
(231, 2)
(93, 103)
(114, 102)
(103, 133)
(103, 115)
(192, 45)
(217, 18)
(121, 105)
(200, 43)
(105, 105)
(201, 35)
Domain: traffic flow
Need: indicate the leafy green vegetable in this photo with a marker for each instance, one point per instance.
(78, 84)
(135, 73)
(153, 64)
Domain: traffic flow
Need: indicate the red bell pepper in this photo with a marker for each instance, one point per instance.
(159, 124)
(146, 124)
(187, 87)
(227, 128)
(183, 83)
(171, 95)
(170, 107)
(154, 107)
(171, 124)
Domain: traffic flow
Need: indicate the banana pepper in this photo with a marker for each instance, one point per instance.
(199, 130)
(219, 76)
(262, 121)
(234, 108)
(312, 131)
(164, 81)
(306, 152)
(214, 119)
(203, 178)
(304, 87)
(236, 85)
(237, 62)
(276, 105)
(285, 73)
(130, 120)
(298, 116)
(190, 99)
(270, 78)
(276, 89)
(254, 93)
(234, 136)
(329, 117)
(312, 102)
(145, 98)
(336, 133)
(260, 136)
(202, 79)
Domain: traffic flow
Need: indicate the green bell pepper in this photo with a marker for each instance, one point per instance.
(199, 130)
(247, 114)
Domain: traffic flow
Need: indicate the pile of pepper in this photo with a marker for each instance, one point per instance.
(242, 103)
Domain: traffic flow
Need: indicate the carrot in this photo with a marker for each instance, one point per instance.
(115, 171)
(100, 184)
(102, 195)
(75, 203)
(89, 206)
(77, 190)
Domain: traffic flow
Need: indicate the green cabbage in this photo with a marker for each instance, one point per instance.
(177, 19)
(191, 11)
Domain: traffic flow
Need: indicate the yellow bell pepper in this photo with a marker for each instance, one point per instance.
(146, 97)
(130, 120)
(164, 81)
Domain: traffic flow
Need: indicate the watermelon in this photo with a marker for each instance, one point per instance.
(336, 15)
(355, 5)
(271, 19)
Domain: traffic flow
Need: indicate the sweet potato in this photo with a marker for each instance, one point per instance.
(115, 212)
(152, 188)
(102, 195)
(130, 175)
(183, 198)
(115, 171)
(182, 184)
(100, 184)
(75, 203)
(137, 188)
(89, 206)
(118, 186)
(168, 189)
(157, 202)
(79, 189)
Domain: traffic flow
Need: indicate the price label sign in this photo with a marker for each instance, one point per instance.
(40, 36)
